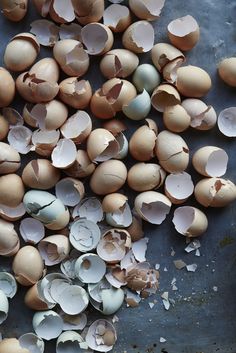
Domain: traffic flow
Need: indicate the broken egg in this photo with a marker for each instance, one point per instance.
(101, 145)
(11, 345)
(10, 159)
(7, 88)
(190, 221)
(19, 137)
(8, 284)
(139, 107)
(123, 146)
(178, 187)
(9, 240)
(32, 342)
(203, 117)
(136, 228)
(146, 9)
(227, 71)
(165, 96)
(210, 161)
(97, 38)
(164, 53)
(12, 213)
(176, 118)
(117, 17)
(117, 209)
(227, 122)
(44, 141)
(54, 249)
(74, 92)
(70, 341)
(62, 11)
(90, 268)
(14, 10)
(47, 324)
(145, 176)
(31, 230)
(101, 336)
(146, 77)
(78, 127)
(82, 167)
(70, 191)
(4, 307)
(64, 154)
(11, 190)
(89, 11)
(84, 235)
(89, 208)
(46, 32)
(73, 322)
(139, 37)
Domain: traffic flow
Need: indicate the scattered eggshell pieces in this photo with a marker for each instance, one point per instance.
(203, 117)
(73, 322)
(101, 336)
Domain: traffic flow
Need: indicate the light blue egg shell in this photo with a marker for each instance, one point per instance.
(146, 77)
(139, 107)
(112, 299)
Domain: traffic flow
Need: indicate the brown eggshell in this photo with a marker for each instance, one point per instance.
(176, 119)
(227, 71)
(7, 88)
(145, 176)
(165, 96)
(62, 12)
(42, 6)
(101, 145)
(136, 229)
(190, 221)
(117, 17)
(100, 106)
(139, 37)
(115, 126)
(11, 345)
(210, 161)
(142, 143)
(82, 167)
(11, 190)
(9, 240)
(10, 159)
(4, 128)
(97, 38)
(113, 202)
(14, 10)
(88, 11)
(76, 93)
(33, 300)
(164, 53)
(46, 69)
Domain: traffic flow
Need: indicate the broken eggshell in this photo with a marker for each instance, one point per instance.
(123, 146)
(136, 228)
(117, 17)
(11, 190)
(190, 221)
(227, 122)
(31, 230)
(74, 92)
(32, 342)
(70, 31)
(101, 336)
(7, 88)
(84, 235)
(12, 213)
(90, 209)
(54, 249)
(70, 341)
(78, 127)
(117, 209)
(227, 71)
(73, 300)
(89, 11)
(178, 187)
(34, 300)
(97, 38)
(19, 137)
(82, 167)
(46, 32)
(102, 145)
(9, 240)
(147, 10)
(11, 345)
(139, 107)
(64, 154)
(73, 322)
(90, 268)
(164, 53)
(4, 127)
(145, 176)
(44, 141)
(165, 96)
(176, 118)
(139, 37)
(62, 11)
(4, 307)
(210, 161)
(8, 284)
(47, 324)
(14, 10)
(146, 77)
(203, 116)
(10, 159)
(70, 191)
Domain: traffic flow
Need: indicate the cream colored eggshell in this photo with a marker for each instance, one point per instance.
(10, 159)
(215, 192)
(70, 191)
(147, 10)
(172, 152)
(100, 106)
(146, 77)
(210, 161)
(101, 145)
(142, 143)
(82, 166)
(226, 122)
(47, 324)
(7, 88)
(11, 190)
(69, 340)
(179, 187)
(11, 345)
(176, 119)
(203, 117)
(108, 177)
(117, 17)
(227, 71)
(115, 126)
(78, 127)
(12, 213)
(74, 92)
(165, 96)
(106, 344)
(9, 240)
(45, 141)
(136, 228)
(164, 53)
(139, 37)
(46, 32)
(193, 222)
(89, 11)
(97, 38)
(33, 300)
(145, 176)
(170, 70)
(46, 69)
(14, 10)
(62, 12)
(113, 202)
(4, 127)
(54, 249)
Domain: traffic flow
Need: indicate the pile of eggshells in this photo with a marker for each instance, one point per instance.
(97, 242)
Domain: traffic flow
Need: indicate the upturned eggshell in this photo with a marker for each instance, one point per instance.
(46, 69)
(97, 38)
(88, 11)
(163, 54)
(146, 77)
(9, 240)
(10, 159)
(215, 192)
(139, 37)
(108, 177)
(210, 161)
(172, 152)
(190, 221)
(4, 127)
(203, 117)
(33, 300)
(82, 166)
(113, 202)
(40, 174)
(179, 187)
(145, 176)
(11, 345)
(14, 10)
(118, 63)
(25, 274)
(227, 71)
(165, 96)
(147, 10)
(74, 92)
(117, 17)
(11, 190)
(139, 107)
(101, 145)
(142, 143)
(192, 81)
(7, 88)
(176, 119)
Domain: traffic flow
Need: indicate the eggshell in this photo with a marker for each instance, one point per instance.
(117, 17)
(145, 176)
(78, 127)
(44, 141)
(139, 37)
(139, 107)
(170, 70)
(101, 336)
(227, 71)
(210, 161)
(190, 221)
(54, 249)
(118, 213)
(123, 146)
(64, 154)
(178, 187)
(74, 92)
(14, 10)
(4, 127)
(7, 88)
(108, 177)
(192, 81)
(4, 307)
(146, 77)
(69, 341)
(89, 208)
(101, 145)
(25, 274)
(8, 284)
(10, 159)
(12, 213)
(73, 322)
(84, 235)
(70, 31)
(46, 32)
(172, 152)
(82, 167)
(33, 300)
(118, 63)
(31, 341)
(147, 10)
(176, 118)
(73, 300)
(70, 191)
(111, 300)
(184, 32)
(9, 240)
(115, 126)
(227, 122)
(19, 137)
(32, 230)
(100, 105)
(203, 117)
(89, 11)
(136, 228)
(62, 11)
(46, 69)
(90, 268)
(11, 190)
(47, 324)
(97, 38)
(165, 53)
(165, 96)
(11, 345)
(215, 192)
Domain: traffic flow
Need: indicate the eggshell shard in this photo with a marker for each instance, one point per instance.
(136, 228)
(145, 176)
(32, 342)
(108, 177)
(90, 209)
(115, 126)
(62, 11)
(46, 32)
(164, 53)
(64, 154)
(34, 301)
(117, 17)
(10, 159)
(176, 118)
(8, 285)
(73, 300)
(101, 336)
(44, 141)
(90, 268)
(139, 37)
(7, 88)
(70, 191)
(170, 70)
(14, 10)
(19, 137)
(47, 324)
(178, 187)
(190, 221)
(165, 96)
(89, 11)
(152, 206)
(11, 190)
(102, 145)
(118, 213)
(97, 38)
(147, 10)
(215, 192)
(73, 322)
(13, 117)
(31, 230)
(184, 32)
(84, 235)
(82, 167)
(203, 117)
(76, 93)
(210, 161)
(227, 122)
(54, 249)
(78, 127)
(227, 71)
(69, 341)
(146, 77)
(139, 107)
(12, 213)
(9, 240)
(172, 152)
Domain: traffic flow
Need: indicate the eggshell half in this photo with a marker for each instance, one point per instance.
(190, 221)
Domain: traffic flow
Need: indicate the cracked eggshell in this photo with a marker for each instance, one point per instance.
(74, 92)
(108, 177)
(47, 324)
(176, 118)
(227, 71)
(118, 63)
(139, 37)
(70, 31)
(19, 137)
(123, 146)
(28, 275)
(14, 10)
(90, 268)
(89, 11)
(179, 187)
(82, 167)
(152, 206)
(8, 284)
(192, 81)
(11, 345)
(102, 145)
(147, 10)
(4, 307)
(112, 299)
(31, 230)
(13, 117)
(7, 88)
(32, 342)
(62, 11)
(69, 341)
(203, 117)
(9, 240)
(70, 191)
(164, 53)
(78, 127)
(10, 159)
(90, 209)
(33, 299)
(172, 152)
(165, 96)
(97, 38)
(117, 209)
(84, 235)
(210, 161)
(146, 77)
(44, 141)
(117, 17)
(73, 322)
(184, 32)
(12, 213)
(101, 336)
(4, 127)
(136, 228)
(215, 192)
(73, 300)
(115, 126)
(64, 154)
(227, 122)
(145, 176)
(46, 69)
(139, 107)
(11, 190)
(54, 249)
(46, 32)
(190, 221)
(100, 105)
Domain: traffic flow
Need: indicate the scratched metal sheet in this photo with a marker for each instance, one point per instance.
(201, 320)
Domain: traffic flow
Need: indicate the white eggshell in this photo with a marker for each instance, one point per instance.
(73, 300)
(4, 307)
(227, 122)
(84, 235)
(47, 324)
(90, 268)
(32, 342)
(179, 187)
(89, 208)
(8, 284)
(69, 341)
(32, 230)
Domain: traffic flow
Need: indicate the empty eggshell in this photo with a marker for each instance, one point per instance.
(84, 235)
(32, 230)
(46, 69)
(227, 71)
(115, 126)
(190, 221)
(172, 152)
(7, 88)
(74, 92)
(11, 345)
(89, 11)
(117, 17)
(73, 300)
(14, 10)
(210, 161)
(178, 187)
(184, 32)
(170, 70)
(25, 274)
(11, 190)
(101, 336)
(8, 284)
(32, 342)
(4, 307)
(117, 209)
(47, 324)
(136, 228)
(82, 167)
(54, 249)
(13, 117)
(139, 37)
(70, 31)
(226, 122)
(165, 96)
(10, 159)
(64, 154)
(145, 176)
(9, 240)
(215, 192)
(203, 117)
(34, 300)
(90, 209)
(164, 54)
(176, 118)
(70, 341)
(44, 141)
(97, 38)
(4, 127)
(146, 9)
(102, 145)
(70, 191)
(146, 77)
(90, 268)
(19, 137)
(73, 322)
(139, 107)
(118, 63)
(62, 11)
(152, 206)
(12, 213)
(123, 146)
(78, 127)
(108, 177)
(45, 31)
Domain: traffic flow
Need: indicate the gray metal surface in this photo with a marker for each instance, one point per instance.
(201, 320)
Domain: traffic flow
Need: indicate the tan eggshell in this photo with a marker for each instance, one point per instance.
(62, 11)
(25, 274)
(10, 159)
(176, 119)
(100, 106)
(78, 127)
(139, 37)
(42, 6)
(46, 32)
(7, 88)
(76, 93)
(203, 117)
(14, 10)
(172, 152)
(184, 32)
(40, 174)
(54, 249)
(9, 240)
(115, 126)
(215, 192)
(4, 128)
(170, 70)
(11, 345)
(64, 154)
(113, 202)
(226, 122)
(136, 228)
(142, 142)
(147, 10)
(119, 63)
(145, 176)
(33, 300)
(117, 17)
(210, 161)
(11, 190)
(82, 166)
(108, 177)
(165, 53)
(46, 69)
(45, 141)
(88, 11)
(101, 145)
(12, 213)
(190, 221)
(165, 96)
(26, 114)
(179, 187)
(227, 71)
(192, 81)
(97, 38)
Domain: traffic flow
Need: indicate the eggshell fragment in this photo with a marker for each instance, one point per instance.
(139, 107)
(51, 286)
(64, 154)
(11, 190)
(84, 235)
(139, 37)
(145, 176)
(73, 300)
(147, 10)
(7, 88)
(47, 324)
(90, 268)
(46, 32)
(10, 159)
(13, 117)
(117, 17)
(108, 177)
(136, 228)
(190, 221)
(101, 336)
(152, 206)
(82, 167)
(227, 122)
(184, 32)
(90, 209)
(176, 118)
(73, 322)
(146, 77)
(54, 249)
(170, 70)
(165, 96)
(118, 213)
(76, 93)
(8, 284)
(19, 137)
(69, 341)
(11, 345)
(210, 161)
(101, 145)
(33, 299)
(172, 152)
(123, 146)
(14, 10)
(31, 230)
(9, 240)
(70, 191)
(192, 81)
(62, 11)
(32, 342)
(97, 38)
(178, 187)
(78, 127)
(44, 141)
(163, 54)
(203, 117)
(140, 277)
(12, 213)
(89, 11)
(70, 31)
(227, 71)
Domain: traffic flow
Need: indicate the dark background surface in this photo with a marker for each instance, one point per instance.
(201, 320)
